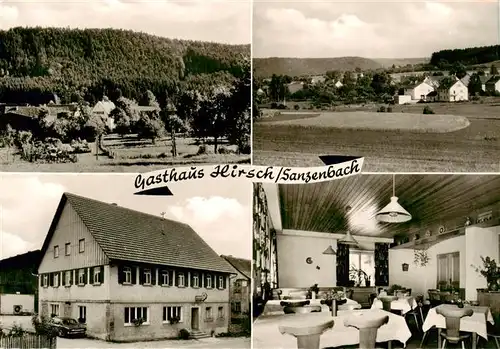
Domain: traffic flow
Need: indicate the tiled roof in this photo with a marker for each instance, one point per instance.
(493, 79)
(447, 83)
(244, 266)
(483, 79)
(125, 234)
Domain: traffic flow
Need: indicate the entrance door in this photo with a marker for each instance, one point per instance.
(195, 318)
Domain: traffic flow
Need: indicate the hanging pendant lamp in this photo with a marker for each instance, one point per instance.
(348, 239)
(330, 250)
(393, 212)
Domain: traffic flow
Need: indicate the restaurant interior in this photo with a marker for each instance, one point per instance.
(377, 261)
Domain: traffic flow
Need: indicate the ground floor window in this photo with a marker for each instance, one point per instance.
(236, 307)
(134, 314)
(172, 314)
(54, 310)
(208, 314)
(82, 314)
(220, 313)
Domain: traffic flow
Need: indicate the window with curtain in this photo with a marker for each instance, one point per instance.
(361, 260)
(448, 270)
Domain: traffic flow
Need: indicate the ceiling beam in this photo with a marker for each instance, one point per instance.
(330, 236)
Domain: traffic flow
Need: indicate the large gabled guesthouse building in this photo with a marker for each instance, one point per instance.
(111, 267)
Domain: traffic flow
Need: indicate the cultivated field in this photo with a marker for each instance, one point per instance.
(283, 142)
(131, 155)
(363, 120)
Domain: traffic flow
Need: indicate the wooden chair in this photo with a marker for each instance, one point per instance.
(434, 297)
(307, 336)
(453, 316)
(417, 311)
(368, 328)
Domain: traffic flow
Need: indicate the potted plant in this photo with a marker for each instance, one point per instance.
(367, 280)
(138, 322)
(174, 320)
(333, 299)
(490, 271)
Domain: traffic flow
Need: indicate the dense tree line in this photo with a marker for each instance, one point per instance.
(85, 64)
(369, 87)
(467, 56)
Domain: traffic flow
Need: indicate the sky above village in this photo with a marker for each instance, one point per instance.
(371, 28)
(207, 20)
(219, 211)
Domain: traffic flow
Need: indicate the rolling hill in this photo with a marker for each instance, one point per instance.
(78, 61)
(265, 67)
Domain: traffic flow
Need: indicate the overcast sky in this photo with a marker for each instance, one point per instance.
(219, 211)
(207, 20)
(371, 29)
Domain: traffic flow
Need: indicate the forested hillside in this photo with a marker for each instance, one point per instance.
(467, 56)
(266, 67)
(85, 64)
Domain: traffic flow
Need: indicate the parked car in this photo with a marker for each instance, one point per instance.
(68, 327)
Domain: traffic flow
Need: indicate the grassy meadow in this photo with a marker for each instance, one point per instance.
(297, 140)
(131, 155)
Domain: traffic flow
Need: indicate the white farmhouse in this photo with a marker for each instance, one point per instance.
(104, 108)
(419, 91)
(452, 90)
(338, 84)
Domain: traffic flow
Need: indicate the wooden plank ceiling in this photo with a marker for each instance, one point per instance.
(321, 207)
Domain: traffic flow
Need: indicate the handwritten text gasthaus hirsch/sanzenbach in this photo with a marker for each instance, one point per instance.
(254, 173)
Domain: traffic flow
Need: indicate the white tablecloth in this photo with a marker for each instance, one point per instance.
(273, 307)
(404, 304)
(266, 333)
(475, 323)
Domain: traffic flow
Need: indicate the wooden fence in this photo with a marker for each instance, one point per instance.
(28, 341)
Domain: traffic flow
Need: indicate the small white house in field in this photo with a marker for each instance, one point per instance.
(16, 304)
(317, 79)
(403, 99)
(419, 91)
(338, 84)
(453, 90)
(104, 108)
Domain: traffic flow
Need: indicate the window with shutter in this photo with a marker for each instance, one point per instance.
(67, 278)
(208, 281)
(181, 282)
(165, 278)
(56, 279)
(81, 277)
(195, 280)
(147, 277)
(45, 280)
(96, 275)
(126, 275)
